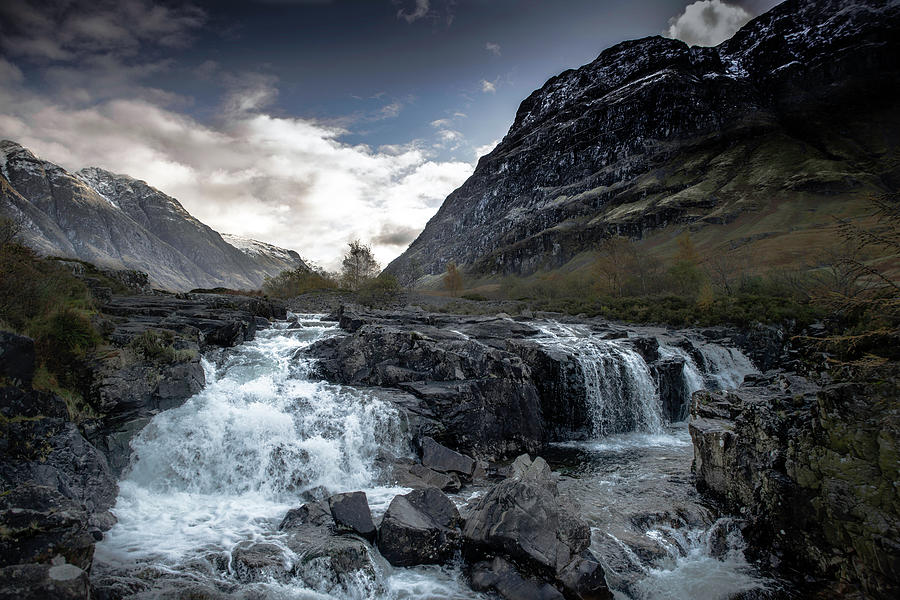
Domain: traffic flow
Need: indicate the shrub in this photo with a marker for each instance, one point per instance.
(379, 291)
(155, 345)
(288, 284)
(62, 340)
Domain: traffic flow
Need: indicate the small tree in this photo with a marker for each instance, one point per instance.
(358, 266)
(687, 278)
(453, 280)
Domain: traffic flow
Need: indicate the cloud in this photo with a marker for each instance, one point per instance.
(287, 181)
(486, 149)
(492, 48)
(488, 87)
(66, 30)
(396, 235)
(707, 23)
(441, 123)
(419, 11)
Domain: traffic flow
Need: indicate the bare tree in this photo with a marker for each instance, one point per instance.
(453, 278)
(359, 265)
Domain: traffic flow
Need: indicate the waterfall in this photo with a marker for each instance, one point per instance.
(725, 367)
(620, 392)
(254, 441)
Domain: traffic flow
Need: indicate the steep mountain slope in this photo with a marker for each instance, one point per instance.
(119, 222)
(749, 141)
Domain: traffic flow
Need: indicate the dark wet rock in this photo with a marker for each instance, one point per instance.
(39, 445)
(443, 459)
(812, 470)
(420, 528)
(672, 393)
(479, 394)
(414, 475)
(61, 581)
(501, 577)
(311, 513)
(524, 520)
(258, 562)
(16, 358)
(351, 514)
(39, 524)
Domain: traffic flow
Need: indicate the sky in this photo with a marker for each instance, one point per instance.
(305, 123)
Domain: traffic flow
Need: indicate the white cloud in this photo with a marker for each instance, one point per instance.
(238, 176)
(441, 123)
(493, 48)
(247, 170)
(419, 11)
(488, 87)
(482, 150)
(707, 23)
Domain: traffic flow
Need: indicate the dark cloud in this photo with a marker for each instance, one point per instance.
(70, 30)
(396, 235)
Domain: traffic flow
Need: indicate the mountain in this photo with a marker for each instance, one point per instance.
(119, 222)
(754, 144)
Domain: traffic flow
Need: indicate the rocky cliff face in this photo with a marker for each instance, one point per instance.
(798, 106)
(118, 222)
(813, 470)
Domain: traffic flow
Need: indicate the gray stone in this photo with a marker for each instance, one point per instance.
(419, 528)
(443, 459)
(351, 514)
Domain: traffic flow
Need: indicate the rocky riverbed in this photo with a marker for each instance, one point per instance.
(408, 454)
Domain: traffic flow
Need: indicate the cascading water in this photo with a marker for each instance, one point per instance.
(726, 367)
(619, 389)
(225, 467)
(653, 534)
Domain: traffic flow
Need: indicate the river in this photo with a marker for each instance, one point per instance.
(222, 470)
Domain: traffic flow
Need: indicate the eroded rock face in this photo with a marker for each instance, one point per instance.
(478, 395)
(524, 520)
(420, 528)
(39, 524)
(654, 133)
(812, 469)
(41, 446)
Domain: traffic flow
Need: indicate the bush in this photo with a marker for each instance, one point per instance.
(62, 340)
(155, 345)
(379, 291)
(289, 284)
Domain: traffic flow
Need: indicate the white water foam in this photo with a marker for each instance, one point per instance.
(235, 457)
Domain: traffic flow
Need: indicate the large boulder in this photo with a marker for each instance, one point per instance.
(351, 514)
(328, 560)
(39, 524)
(501, 577)
(420, 528)
(443, 459)
(524, 520)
